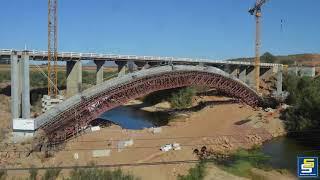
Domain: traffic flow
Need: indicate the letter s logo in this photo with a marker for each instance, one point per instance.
(305, 168)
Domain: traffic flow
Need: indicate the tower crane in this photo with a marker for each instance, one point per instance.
(256, 11)
(52, 48)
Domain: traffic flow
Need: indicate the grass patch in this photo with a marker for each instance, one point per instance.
(4, 76)
(96, 174)
(196, 173)
(242, 161)
(3, 174)
(51, 174)
(33, 172)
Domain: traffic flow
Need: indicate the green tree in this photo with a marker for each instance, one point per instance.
(304, 99)
(183, 98)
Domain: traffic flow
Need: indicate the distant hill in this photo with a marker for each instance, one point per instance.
(299, 59)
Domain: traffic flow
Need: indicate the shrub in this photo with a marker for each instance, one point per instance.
(51, 174)
(183, 98)
(242, 161)
(99, 174)
(33, 173)
(304, 99)
(196, 173)
(3, 174)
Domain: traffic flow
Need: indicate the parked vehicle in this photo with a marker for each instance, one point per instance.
(166, 147)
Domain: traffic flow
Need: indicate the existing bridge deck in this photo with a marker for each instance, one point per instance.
(67, 56)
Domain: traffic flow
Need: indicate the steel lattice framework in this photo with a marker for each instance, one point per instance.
(76, 118)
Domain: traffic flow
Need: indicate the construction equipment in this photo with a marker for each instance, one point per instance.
(52, 48)
(256, 11)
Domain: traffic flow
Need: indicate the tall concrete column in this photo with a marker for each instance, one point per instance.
(99, 72)
(26, 86)
(130, 65)
(235, 71)
(74, 77)
(121, 67)
(227, 68)
(146, 66)
(279, 81)
(243, 74)
(266, 73)
(15, 74)
(250, 79)
(20, 68)
(140, 65)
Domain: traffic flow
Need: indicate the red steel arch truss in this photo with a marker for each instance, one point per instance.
(77, 118)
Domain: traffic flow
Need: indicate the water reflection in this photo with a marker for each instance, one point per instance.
(133, 118)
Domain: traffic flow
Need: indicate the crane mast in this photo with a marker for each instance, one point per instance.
(256, 11)
(52, 48)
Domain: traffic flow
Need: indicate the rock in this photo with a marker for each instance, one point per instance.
(269, 110)
(101, 153)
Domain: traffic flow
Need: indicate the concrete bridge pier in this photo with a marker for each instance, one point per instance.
(141, 65)
(121, 67)
(233, 70)
(238, 72)
(99, 71)
(26, 86)
(242, 74)
(131, 66)
(146, 66)
(74, 77)
(266, 73)
(15, 86)
(20, 92)
(279, 80)
(250, 77)
(153, 64)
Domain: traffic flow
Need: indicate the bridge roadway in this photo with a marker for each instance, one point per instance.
(70, 56)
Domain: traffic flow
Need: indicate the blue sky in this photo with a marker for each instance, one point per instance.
(216, 29)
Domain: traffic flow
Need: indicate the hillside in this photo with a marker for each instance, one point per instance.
(300, 59)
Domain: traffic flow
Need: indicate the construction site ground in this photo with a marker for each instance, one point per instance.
(215, 126)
